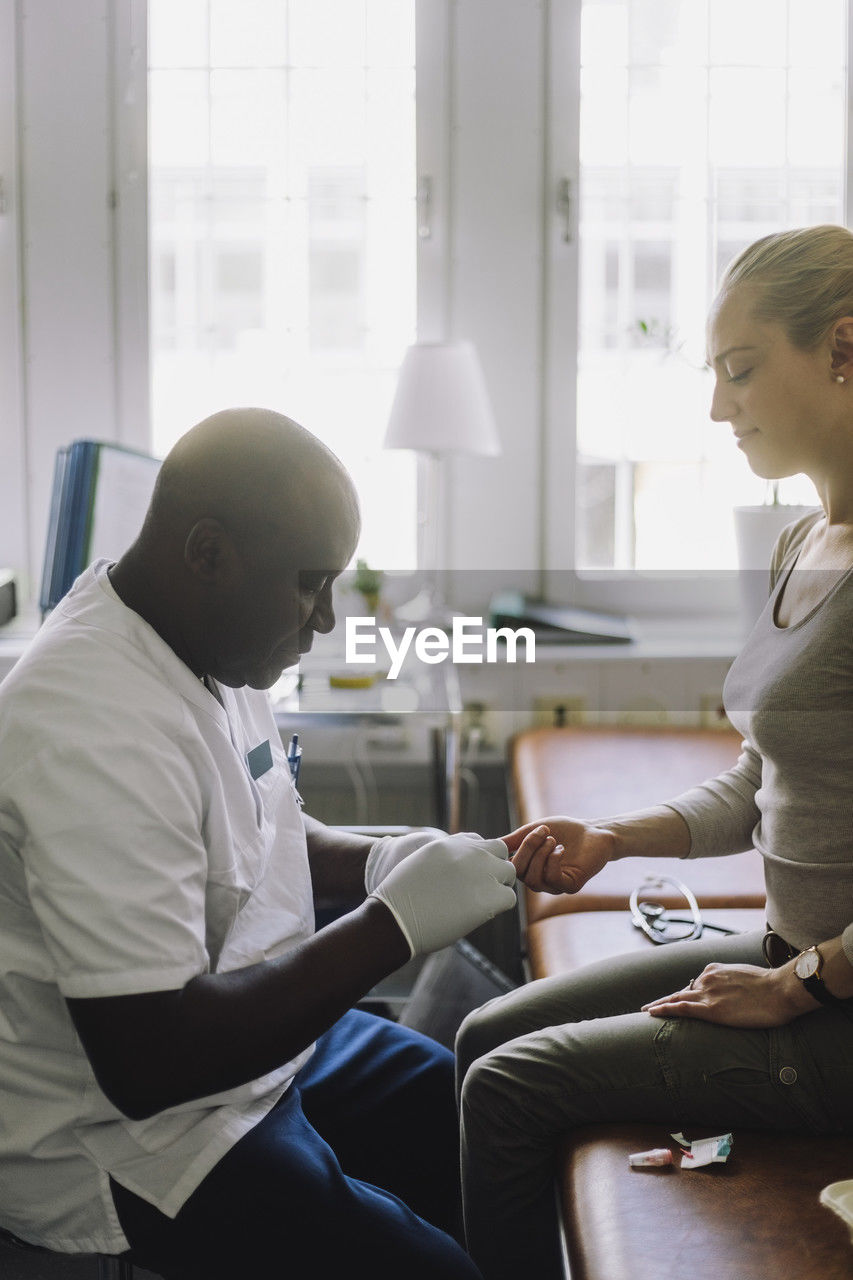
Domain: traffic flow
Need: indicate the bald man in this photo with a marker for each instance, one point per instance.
(181, 1070)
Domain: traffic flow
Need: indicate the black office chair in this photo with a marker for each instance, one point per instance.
(38, 1263)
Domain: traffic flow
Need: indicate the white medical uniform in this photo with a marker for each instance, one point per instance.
(136, 851)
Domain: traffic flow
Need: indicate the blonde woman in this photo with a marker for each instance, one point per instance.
(720, 1033)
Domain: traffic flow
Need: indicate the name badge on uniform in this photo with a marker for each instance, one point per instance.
(259, 759)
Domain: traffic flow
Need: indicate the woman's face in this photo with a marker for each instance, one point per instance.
(780, 400)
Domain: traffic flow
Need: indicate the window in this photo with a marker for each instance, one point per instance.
(282, 227)
(704, 124)
(283, 239)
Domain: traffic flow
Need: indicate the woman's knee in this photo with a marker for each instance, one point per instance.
(481, 1031)
(492, 1098)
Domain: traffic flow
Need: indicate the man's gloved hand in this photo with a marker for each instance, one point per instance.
(388, 851)
(447, 888)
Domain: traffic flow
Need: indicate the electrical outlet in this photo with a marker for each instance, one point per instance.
(711, 712)
(477, 729)
(642, 711)
(559, 710)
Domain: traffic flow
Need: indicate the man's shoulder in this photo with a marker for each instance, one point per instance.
(82, 663)
(83, 676)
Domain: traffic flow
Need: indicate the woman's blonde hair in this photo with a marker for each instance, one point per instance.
(803, 280)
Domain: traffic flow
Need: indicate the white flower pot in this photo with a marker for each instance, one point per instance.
(756, 531)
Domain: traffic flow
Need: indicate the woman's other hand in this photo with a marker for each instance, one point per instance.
(737, 995)
(558, 855)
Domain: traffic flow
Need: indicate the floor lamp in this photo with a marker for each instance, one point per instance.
(440, 407)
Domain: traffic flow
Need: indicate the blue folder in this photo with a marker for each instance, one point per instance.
(72, 538)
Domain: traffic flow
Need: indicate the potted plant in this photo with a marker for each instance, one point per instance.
(368, 582)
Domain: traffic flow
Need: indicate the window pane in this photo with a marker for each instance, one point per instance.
(748, 34)
(252, 33)
(809, 38)
(747, 116)
(704, 125)
(604, 33)
(177, 33)
(668, 33)
(178, 119)
(328, 33)
(389, 34)
(814, 96)
(247, 120)
(282, 185)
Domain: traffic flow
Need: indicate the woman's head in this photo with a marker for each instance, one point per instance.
(780, 343)
(801, 280)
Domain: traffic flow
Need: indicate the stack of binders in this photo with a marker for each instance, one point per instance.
(100, 495)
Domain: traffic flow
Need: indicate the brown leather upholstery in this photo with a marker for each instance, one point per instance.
(757, 1217)
(584, 767)
(593, 772)
(557, 944)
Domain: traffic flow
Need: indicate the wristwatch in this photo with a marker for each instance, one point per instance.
(807, 967)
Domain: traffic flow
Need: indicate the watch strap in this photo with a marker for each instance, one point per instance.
(816, 987)
(815, 984)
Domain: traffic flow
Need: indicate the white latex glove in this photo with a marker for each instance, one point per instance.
(447, 888)
(388, 851)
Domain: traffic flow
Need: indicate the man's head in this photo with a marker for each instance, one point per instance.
(251, 520)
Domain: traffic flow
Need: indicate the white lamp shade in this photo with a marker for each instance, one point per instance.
(441, 404)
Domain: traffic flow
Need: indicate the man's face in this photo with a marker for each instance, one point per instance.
(283, 597)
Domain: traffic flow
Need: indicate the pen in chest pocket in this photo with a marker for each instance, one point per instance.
(294, 758)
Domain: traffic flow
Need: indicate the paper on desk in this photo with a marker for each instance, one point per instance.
(704, 1151)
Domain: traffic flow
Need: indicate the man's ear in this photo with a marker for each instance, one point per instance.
(842, 348)
(210, 554)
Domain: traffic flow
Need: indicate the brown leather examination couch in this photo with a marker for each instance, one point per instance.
(756, 1217)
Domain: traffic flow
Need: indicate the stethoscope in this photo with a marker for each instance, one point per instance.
(654, 919)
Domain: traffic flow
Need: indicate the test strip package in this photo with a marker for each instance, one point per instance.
(704, 1150)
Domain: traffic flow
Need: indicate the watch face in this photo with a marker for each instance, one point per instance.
(807, 964)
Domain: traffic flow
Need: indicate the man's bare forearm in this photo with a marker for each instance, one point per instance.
(159, 1049)
(337, 859)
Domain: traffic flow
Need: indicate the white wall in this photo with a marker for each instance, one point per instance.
(77, 187)
(495, 296)
(13, 541)
(481, 274)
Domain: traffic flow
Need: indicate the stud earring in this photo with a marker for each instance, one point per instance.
(839, 378)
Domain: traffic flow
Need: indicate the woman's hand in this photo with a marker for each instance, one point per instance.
(737, 995)
(559, 854)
